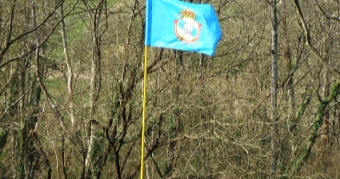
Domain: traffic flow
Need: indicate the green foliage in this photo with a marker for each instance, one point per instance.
(98, 145)
(3, 139)
(171, 127)
(302, 158)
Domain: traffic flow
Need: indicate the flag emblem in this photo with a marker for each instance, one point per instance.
(187, 29)
(185, 26)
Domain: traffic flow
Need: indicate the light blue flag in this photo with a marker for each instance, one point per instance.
(182, 26)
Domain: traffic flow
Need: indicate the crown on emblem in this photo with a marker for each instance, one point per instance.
(187, 14)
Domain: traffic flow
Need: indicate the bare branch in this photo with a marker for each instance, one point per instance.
(329, 16)
(308, 40)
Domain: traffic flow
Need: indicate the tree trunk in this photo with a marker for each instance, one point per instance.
(95, 79)
(274, 81)
(326, 119)
(69, 67)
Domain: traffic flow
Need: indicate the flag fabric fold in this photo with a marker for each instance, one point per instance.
(182, 26)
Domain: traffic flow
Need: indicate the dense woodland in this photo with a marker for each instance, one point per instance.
(265, 106)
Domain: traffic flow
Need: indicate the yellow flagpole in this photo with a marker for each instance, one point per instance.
(144, 112)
